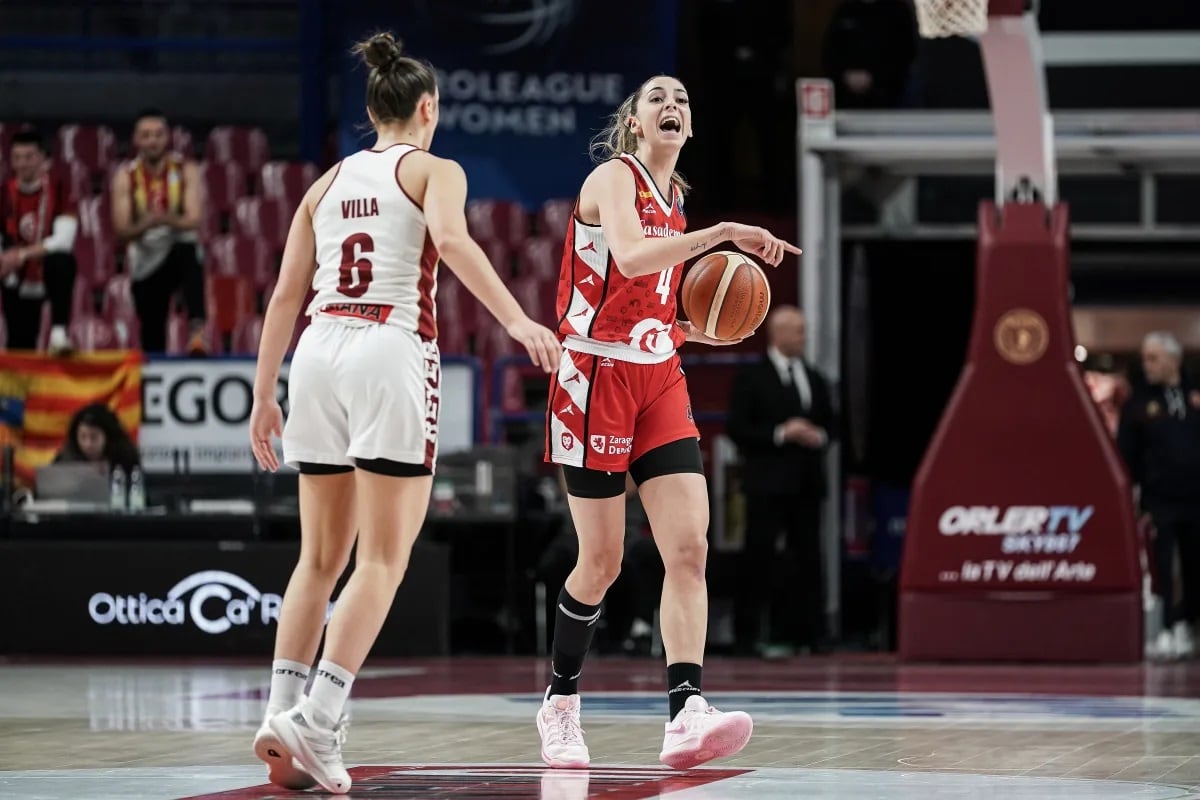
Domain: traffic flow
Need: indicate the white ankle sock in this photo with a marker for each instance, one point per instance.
(288, 679)
(330, 690)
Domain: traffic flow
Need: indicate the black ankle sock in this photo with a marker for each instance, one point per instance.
(574, 623)
(683, 681)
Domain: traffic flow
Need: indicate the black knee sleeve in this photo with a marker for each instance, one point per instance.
(679, 457)
(594, 484)
(392, 469)
(312, 468)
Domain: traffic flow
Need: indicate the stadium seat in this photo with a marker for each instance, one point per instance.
(247, 335)
(537, 296)
(246, 146)
(493, 344)
(287, 181)
(229, 299)
(92, 332)
(118, 308)
(223, 183)
(247, 256)
(81, 181)
(261, 217)
(95, 146)
(553, 218)
(540, 257)
(498, 220)
(456, 307)
(95, 245)
(183, 142)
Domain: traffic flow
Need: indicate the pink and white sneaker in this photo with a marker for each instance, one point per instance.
(282, 769)
(562, 738)
(699, 733)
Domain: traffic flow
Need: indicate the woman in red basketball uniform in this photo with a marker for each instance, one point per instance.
(619, 403)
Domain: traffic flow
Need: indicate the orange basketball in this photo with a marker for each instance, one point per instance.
(726, 295)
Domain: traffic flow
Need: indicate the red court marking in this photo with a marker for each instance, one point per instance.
(502, 783)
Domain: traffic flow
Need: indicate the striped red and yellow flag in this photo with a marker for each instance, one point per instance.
(40, 394)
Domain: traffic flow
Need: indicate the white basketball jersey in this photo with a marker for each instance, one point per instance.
(373, 247)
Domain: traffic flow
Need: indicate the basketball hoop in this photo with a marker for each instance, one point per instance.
(940, 18)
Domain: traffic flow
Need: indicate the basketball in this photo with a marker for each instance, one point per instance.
(726, 295)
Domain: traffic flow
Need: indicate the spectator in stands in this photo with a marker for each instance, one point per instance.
(869, 52)
(781, 417)
(1159, 438)
(157, 209)
(38, 219)
(95, 435)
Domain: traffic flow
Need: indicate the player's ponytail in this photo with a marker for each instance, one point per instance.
(396, 82)
(618, 137)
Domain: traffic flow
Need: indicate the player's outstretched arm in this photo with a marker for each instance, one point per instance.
(612, 185)
(636, 254)
(445, 204)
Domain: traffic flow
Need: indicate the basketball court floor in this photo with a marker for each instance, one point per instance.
(826, 727)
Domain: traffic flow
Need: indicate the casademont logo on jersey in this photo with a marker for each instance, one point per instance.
(660, 232)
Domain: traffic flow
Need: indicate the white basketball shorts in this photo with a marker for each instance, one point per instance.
(362, 391)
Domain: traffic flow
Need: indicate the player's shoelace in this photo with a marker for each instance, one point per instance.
(328, 747)
(569, 731)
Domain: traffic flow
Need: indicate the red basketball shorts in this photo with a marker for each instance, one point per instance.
(604, 413)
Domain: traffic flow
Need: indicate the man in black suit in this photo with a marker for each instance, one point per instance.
(781, 418)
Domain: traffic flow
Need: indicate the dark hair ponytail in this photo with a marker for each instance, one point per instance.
(396, 82)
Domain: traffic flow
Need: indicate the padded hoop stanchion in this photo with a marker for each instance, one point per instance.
(1021, 542)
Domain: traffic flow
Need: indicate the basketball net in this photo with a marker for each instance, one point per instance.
(1010, 44)
(940, 18)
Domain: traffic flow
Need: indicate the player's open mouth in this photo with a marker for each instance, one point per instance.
(670, 124)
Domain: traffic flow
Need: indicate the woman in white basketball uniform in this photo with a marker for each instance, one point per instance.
(619, 403)
(363, 391)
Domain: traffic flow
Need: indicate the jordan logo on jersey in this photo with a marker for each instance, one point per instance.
(360, 207)
(590, 280)
(589, 246)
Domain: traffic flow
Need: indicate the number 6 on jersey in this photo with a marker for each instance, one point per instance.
(352, 261)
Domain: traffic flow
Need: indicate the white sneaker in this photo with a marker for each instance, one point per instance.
(317, 749)
(1163, 648)
(562, 737)
(60, 342)
(1182, 634)
(282, 769)
(700, 733)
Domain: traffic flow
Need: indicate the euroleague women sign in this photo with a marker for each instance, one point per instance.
(523, 85)
(1020, 541)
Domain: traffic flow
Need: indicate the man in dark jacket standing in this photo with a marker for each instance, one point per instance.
(781, 418)
(1159, 438)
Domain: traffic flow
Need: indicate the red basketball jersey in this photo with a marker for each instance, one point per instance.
(27, 217)
(602, 312)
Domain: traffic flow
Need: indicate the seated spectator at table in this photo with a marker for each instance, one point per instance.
(38, 225)
(95, 435)
(157, 208)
